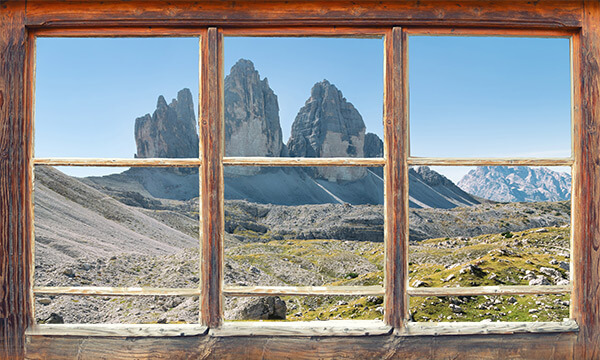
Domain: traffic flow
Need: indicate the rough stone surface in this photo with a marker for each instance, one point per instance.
(329, 126)
(171, 131)
(374, 148)
(264, 308)
(252, 125)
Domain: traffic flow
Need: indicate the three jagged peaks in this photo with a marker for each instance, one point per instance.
(326, 126)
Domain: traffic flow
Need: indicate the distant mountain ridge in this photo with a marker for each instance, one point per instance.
(328, 125)
(517, 183)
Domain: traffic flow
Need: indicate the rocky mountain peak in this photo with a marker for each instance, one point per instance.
(252, 126)
(433, 178)
(329, 126)
(373, 146)
(161, 103)
(171, 130)
(517, 183)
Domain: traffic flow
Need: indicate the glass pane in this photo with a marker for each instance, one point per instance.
(68, 309)
(315, 103)
(136, 227)
(519, 237)
(304, 308)
(95, 96)
(289, 226)
(489, 96)
(490, 308)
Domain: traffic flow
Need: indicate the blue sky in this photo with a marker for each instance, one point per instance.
(468, 96)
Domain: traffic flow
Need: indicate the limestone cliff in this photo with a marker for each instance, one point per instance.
(329, 126)
(252, 125)
(171, 130)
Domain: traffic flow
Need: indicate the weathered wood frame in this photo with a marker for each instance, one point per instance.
(19, 21)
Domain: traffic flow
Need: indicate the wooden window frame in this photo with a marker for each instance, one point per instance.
(19, 24)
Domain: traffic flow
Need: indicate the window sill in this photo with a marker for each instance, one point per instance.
(117, 330)
(489, 328)
(301, 329)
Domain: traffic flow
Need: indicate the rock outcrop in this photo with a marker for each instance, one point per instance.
(252, 125)
(171, 130)
(329, 126)
(263, 308)
(374, 148)
(517, 183)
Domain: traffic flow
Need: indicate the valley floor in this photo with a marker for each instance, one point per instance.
(534, 256)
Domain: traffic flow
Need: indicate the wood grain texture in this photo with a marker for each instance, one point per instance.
(461, 31)
(430, 161)
(92, 348)
(15, 183)
(480, 13)
(138, 162)
(490, 290)
(116, 31)
(154, 18)
(113, 291)
(303, 290)
(395, 147)
(303, 328)
(586, 185)
(477, 347)
(116, 330)
(212, 144)
(479, 328)
(303, 31)
(282, 161)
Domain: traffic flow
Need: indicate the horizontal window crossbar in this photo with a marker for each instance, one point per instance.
(304, 290)
(113, 291)
(286, 161)
(139, 162)
(490, 290)
(440, 161)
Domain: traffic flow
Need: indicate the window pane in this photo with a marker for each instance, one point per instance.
(489, 96)
(117, 230)
(521, 237)
(67, 309)
(323, 97)
(95, 96)
(292, 227)
(490, 308)
(304, 308)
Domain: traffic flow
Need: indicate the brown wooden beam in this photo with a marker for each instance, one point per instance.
(212, 144)
(480, 13)
(586, 180)
(15, 182)
(464, 347)
(395, 146)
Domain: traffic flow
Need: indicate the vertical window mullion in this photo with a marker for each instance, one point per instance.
(396, 178)
(211, 177)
